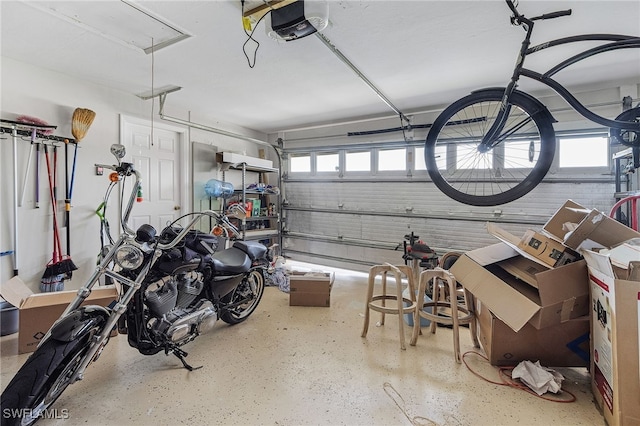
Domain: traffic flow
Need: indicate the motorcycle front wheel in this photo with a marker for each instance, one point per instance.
(242, 301)
(40, 381)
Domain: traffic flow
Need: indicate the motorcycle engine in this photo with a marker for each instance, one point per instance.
(176, 317)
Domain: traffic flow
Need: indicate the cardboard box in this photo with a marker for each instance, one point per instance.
(562, 345)
(615, 342)
(536, 246)
(235, 158)
(39, 311)
(623, 254)
(578, 227)
(520, 291)
(310, 288)
(546, 249)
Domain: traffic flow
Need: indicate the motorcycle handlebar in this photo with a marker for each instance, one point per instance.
(192, 222)
(127, 169)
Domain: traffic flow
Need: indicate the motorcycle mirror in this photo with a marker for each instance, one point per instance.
(118, 151)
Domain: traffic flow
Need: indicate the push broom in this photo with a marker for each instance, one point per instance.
(80, 122)
(60, 267)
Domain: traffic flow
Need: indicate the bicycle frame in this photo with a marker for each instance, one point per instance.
(616, 42)
(619, 42)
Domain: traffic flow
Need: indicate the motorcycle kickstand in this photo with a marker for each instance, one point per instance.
(180, 354)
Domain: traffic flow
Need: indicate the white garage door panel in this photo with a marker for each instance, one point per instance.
(442, 223)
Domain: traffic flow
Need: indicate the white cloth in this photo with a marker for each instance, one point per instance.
(538, 378)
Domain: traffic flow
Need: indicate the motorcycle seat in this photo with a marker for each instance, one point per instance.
(254, 249)
(231, 261)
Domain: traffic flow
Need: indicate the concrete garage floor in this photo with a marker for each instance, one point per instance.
(306, 366)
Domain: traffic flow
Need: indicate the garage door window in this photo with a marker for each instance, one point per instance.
(583, 152)
(392, 160)
(327, 162)
(358, 161)
(300, 163)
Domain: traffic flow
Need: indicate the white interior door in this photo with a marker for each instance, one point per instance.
(157, 156)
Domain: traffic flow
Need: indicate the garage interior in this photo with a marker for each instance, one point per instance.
(334, 124)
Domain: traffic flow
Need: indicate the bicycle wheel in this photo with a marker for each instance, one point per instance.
(627, 137)
(504, 173)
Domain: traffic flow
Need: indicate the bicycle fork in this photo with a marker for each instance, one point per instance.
(492, 139)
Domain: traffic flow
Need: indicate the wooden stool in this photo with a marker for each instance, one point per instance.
(460, 314)
(378, 302)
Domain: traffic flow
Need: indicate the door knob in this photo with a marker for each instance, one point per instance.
(176, 207)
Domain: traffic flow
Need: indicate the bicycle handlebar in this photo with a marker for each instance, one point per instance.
(552, 15)
(519, 19)
(512, 6)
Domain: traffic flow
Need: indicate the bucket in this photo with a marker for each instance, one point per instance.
(8, 318)
(408, 318)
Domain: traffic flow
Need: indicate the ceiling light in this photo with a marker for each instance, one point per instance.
(124, 22)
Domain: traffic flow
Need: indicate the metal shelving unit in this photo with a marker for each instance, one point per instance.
(624, 170)
(271, 232)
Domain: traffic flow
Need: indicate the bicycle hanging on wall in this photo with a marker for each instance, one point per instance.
(497, 144)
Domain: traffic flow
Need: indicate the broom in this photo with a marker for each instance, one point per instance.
(80, 123)
(60, 266)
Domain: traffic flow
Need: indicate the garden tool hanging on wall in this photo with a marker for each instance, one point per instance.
(60, 266)
(41, 128)
(80, 123)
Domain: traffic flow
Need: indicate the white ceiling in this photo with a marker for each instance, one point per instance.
(419, 54)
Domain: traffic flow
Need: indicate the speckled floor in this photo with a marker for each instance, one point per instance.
(306, 366)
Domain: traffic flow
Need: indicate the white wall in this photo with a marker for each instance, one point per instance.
(50, 96)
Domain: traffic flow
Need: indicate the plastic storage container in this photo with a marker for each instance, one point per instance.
(408, 318)
(217, 188)
(9, 315)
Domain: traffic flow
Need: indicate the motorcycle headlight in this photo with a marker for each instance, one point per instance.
(129, 257)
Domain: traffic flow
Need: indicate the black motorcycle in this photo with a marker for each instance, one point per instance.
(174, 286)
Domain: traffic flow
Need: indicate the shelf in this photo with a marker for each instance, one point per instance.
(243, 194)
(257, 233)
(252, 192)
(625, 194)
(240, 166)
(625, 153)
(258, 218)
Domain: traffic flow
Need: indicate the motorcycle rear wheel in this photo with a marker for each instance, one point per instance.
(251, 290)
(40, 381)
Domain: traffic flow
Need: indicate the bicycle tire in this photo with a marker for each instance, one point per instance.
(627, 137)
(40, 381)
(504, 173)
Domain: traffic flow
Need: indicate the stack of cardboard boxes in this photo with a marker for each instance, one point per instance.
(536, 299)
